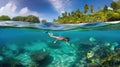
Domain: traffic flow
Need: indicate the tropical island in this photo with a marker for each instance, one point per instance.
(102, 15)
(29, 18)
(89, 15)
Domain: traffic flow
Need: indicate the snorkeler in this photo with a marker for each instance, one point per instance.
(59, 38)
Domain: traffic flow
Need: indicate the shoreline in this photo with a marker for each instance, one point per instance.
(113, 22)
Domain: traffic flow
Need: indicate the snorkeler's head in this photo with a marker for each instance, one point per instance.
(67, 39)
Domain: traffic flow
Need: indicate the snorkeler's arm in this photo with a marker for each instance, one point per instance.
(51, 35)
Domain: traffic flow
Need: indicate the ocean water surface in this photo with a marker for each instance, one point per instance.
(28, 45)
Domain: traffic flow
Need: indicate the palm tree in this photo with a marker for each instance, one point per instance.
(114, 5)
(78, 13)
(91, 8)
(86, 8)
(105, 8)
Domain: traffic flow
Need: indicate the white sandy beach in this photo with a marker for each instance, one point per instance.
(113, 22)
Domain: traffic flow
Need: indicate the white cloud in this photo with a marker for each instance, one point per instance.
(110, 8)
(24, 10)
(10, 9)
(62, 11)
(61, 5)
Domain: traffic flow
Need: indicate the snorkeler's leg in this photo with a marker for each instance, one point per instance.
(67, 43)
(55, 41)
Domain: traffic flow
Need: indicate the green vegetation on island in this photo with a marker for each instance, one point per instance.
(4, 17)
(29, 18)
(89, 15)
(43, 20)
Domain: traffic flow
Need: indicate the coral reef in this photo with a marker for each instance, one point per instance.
(63, 57)
(92, 65)
(39, 55)
(104, 57)
(24, 59)
(89, 53)
(10, 62)
(113, 60)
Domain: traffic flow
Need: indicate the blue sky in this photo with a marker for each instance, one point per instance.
(46, 9)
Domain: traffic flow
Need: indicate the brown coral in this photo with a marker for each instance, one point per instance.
(39, 55)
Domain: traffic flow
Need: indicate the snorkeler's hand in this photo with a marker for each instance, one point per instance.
(50, 34)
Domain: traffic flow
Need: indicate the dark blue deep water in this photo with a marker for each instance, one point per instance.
(28, 45)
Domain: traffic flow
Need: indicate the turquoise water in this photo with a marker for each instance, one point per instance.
(31, 47)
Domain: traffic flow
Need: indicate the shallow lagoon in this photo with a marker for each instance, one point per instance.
(28, 45)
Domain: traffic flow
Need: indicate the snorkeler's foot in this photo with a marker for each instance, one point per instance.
(67, 43)
(55, 41)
